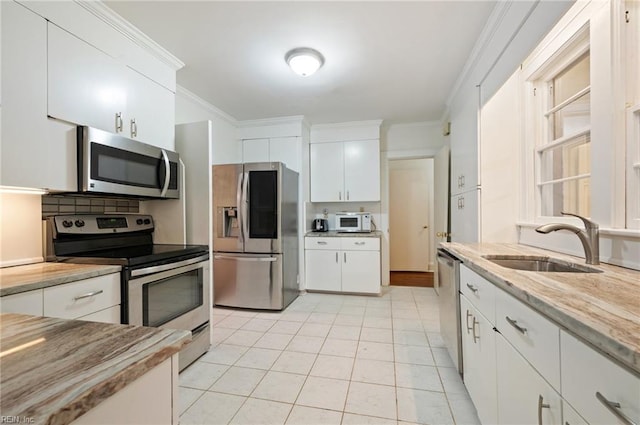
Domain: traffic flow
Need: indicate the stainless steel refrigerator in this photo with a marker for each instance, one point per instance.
(255, 235)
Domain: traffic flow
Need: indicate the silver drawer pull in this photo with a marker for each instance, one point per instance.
(473, 288)
(88, 295)
(321, 242)
(359, 243)
(514, 323)
(614, 407)
(541, 406)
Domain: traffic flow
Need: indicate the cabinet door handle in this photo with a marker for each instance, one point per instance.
(134, 128)
(468, 315)
(514, 323)
(347, 195)
(340, 196)
(462, 177)
(614, 407)
(344, 256)
(88, 295)
(475, 337)
(118, 122)
(541, 405)
(473, 288)
(321, 242)
(336, 257)
(359, 243)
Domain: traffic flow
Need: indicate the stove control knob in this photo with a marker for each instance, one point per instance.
(147, 221)
(67, 223)
(139, 222)
(80, 223)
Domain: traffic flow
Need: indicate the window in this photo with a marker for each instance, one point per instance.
(632, 102)
(563, 145)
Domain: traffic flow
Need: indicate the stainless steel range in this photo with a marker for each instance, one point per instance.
(162, 285)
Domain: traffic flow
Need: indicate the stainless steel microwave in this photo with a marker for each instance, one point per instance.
(115, 165)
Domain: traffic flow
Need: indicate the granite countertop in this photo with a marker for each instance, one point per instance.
(16, 279)
(61, 369)
(334, 234)
(602, 309)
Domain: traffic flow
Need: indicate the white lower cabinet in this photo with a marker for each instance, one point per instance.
(524, 397)
(29, 302)
(570, 416)
(96, 299)
(150, 399)
(343, 264)
(323, 269)
(479, 360)
(528, 371)
(601, 391)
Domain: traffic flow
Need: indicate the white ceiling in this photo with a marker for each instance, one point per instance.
(383, 60)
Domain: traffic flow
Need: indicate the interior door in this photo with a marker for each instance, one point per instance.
(409, 188)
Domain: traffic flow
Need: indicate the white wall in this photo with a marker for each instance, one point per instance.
(20, 229)
(191, 108)
(403, 141)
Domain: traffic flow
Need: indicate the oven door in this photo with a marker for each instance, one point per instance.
(348, 223)
(177, 298)
(109, 163)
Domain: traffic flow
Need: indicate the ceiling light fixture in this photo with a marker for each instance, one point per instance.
(304, 60)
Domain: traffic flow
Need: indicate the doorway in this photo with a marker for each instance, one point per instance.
(410, 217)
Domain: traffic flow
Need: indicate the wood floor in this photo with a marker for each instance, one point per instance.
(422, 279)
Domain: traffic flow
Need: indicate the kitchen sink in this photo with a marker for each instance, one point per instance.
(539, 264)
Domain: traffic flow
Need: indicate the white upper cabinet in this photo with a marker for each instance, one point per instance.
(287, 150)
(345, 171)
(36, 152)
(85, 86)
(88, 87)
(345, 162)
(327, 172)
(150, 116)
(362, 170)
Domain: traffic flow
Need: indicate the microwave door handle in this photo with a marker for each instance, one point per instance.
(245, 221)
(239, 211)
(167, 173)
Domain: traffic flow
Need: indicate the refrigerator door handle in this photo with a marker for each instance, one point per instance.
(239, 206)
(253, 259)
(245, 221)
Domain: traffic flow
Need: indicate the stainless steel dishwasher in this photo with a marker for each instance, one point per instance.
(449, 303)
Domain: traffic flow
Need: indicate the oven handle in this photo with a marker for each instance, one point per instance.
(165, 267)
(228, 257)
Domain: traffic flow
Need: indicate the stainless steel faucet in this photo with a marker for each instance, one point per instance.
(590, 237)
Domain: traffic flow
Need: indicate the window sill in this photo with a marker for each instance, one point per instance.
(628, 233)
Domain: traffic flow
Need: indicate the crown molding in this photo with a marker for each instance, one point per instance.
(116, 21)
(484, 40)
(262, 122)
(204, 104)
(349, 124)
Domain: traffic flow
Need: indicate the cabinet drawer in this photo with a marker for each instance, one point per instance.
(480, 292)
(586, 372)
(77, 299)
(535, 337)
(29, 302)
(108, 315)
(322, 243)
(360, 244)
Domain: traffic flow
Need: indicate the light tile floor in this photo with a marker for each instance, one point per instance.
(328, 360)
